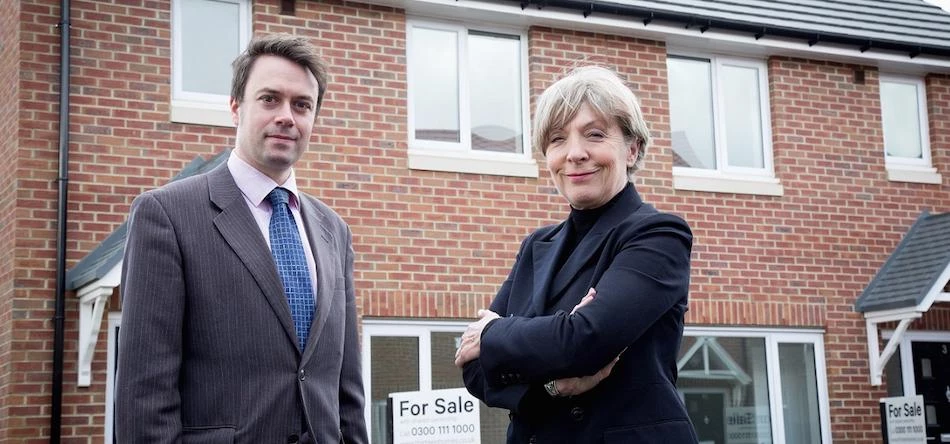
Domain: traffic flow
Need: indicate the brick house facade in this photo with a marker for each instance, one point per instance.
(435, 245)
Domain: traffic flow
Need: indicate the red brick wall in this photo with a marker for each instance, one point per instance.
(438, 244)
(938, 111)
(34, 242)
(428, 244)
(9, 141)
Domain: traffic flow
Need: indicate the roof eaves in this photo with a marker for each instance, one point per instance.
(756, 30)
(862, 305)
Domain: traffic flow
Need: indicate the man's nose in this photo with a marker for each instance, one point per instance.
(285, 115)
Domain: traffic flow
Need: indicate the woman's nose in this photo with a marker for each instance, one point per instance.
(576, 150)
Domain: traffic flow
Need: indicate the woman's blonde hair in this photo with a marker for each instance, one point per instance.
(605, 92)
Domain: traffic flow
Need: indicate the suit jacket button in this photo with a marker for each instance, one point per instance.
(577, 413)
(293, 439)
(302, 375)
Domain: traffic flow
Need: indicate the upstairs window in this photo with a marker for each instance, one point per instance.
(906, 136)
(201, 60)
(467, 100)
(719, 125)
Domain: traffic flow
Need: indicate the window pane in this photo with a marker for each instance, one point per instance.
(495, 90)
(494, 422)
(901, 119)
(389, 353)
(894, 376)
(206, 56)
(435, 84)
(742, 115)
(445, 374)
(724, 384)
(691, 115)
(799, 393)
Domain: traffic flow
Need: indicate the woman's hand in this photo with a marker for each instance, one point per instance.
(470, 348)
(576, 386)
(585, 300)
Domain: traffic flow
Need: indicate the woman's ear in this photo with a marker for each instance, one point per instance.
(632, 152)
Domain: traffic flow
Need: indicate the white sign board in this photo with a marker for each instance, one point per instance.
(748, 425)
(437, 416)
(904, 420)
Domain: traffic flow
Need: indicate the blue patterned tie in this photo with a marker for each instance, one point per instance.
(291, 262)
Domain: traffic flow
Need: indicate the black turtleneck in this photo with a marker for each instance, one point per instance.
(581, 221)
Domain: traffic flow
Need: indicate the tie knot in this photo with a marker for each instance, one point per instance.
(278, 196)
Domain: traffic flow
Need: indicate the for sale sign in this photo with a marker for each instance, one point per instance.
(435, 416)
(902, 420)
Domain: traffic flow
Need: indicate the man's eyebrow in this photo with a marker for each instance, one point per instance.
(278, 93)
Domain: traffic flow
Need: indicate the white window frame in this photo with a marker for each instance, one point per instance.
(419, 329)
(774, 337)
(903, 169)
(115, 323)
(459, 157)
(725, 178)
(422, 329)
(195, 107)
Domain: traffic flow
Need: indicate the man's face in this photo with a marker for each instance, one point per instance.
(275, 116)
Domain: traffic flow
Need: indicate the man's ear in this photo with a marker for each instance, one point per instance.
(234, 104)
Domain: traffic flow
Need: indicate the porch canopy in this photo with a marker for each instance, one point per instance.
(96, 276)
(915, 277)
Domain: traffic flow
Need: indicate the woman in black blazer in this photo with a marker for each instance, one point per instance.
(580, 343)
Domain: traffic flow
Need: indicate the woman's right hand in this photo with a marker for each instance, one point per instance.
(576, 386)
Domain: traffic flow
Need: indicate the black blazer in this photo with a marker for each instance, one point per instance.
(638, 261)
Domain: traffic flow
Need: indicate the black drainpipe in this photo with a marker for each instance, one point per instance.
(59, 318)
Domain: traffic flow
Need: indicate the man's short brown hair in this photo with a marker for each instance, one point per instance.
(296, 49)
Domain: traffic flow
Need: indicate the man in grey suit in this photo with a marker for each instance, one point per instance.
(211, 350)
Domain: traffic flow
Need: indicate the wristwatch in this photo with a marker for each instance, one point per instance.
(551, 388)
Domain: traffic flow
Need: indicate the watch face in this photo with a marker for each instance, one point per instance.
(551, 388)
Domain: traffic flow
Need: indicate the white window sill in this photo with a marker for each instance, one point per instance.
(714, 182)
(903, 173)
(201, 113)
(475, 163)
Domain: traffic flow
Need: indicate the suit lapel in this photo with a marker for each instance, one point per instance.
(577, 260)
(592, 243)
(236, 224)
(319, 238)
(544, 254)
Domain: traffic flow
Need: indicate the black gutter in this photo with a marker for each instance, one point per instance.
(648, 15)
(59, 318)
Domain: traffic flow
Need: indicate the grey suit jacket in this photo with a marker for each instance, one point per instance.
(207, 345)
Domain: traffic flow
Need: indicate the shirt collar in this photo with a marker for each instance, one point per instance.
(256, 185)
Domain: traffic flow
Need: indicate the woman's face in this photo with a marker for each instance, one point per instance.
(588, 159)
